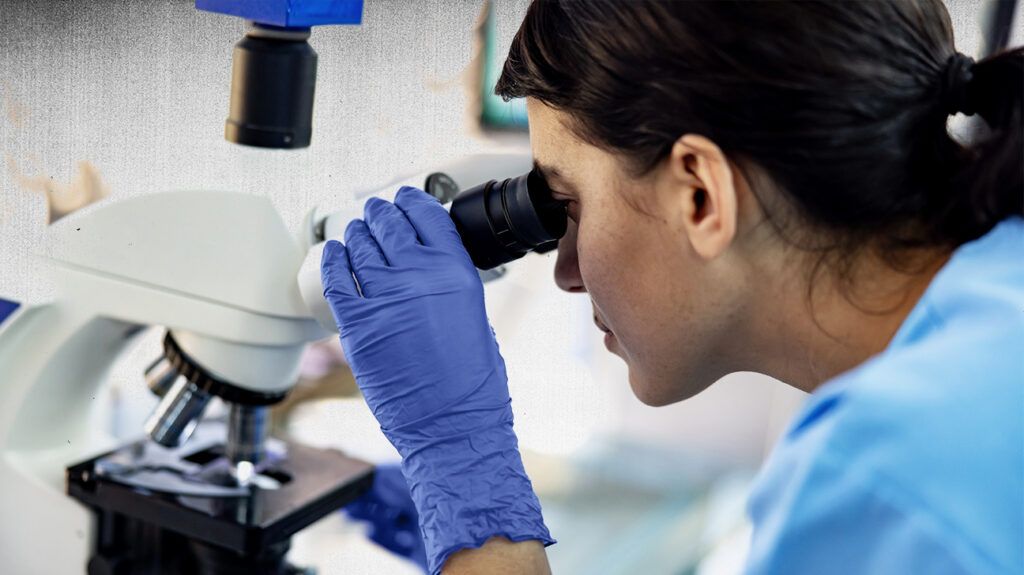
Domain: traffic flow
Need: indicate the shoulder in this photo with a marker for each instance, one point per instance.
(941, 410)
(924, 443)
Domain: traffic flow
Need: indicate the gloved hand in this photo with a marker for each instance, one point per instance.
(391, 513)
(416, 336)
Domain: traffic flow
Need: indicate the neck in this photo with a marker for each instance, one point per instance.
(810, 337)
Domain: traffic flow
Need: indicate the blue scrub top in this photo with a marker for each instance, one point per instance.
(914, 461)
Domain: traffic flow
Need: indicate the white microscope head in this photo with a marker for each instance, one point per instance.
(217, 270)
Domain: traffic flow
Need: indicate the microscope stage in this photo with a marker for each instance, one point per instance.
(191, 490)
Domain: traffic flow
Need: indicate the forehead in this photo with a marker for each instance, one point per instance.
(556, 149)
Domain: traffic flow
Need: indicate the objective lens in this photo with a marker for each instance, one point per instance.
(247, 430)
(503, 221)
(177, 414)
(160, 376)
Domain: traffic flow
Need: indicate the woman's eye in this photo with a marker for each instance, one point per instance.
(572, 206)
(573, 210)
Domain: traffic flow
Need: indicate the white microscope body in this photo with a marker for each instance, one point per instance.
(219, 271)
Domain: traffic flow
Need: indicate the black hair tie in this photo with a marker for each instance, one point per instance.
(955, 83)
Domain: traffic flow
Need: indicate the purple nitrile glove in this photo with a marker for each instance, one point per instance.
(415, 332)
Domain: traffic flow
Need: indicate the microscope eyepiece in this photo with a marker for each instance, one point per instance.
(501, 221)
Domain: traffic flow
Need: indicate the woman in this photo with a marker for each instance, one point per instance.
(765, 187)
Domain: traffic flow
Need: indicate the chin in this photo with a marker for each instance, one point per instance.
(657, 392)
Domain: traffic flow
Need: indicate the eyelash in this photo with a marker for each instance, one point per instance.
(572, 205)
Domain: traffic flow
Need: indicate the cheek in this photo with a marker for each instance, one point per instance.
(636, 277)
(617, 267)
(599, 259)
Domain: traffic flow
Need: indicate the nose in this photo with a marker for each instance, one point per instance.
(567, 268)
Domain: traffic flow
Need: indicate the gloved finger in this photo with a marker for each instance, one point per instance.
(392, 230)
(335, 273)
(432, 223)
(364, 255)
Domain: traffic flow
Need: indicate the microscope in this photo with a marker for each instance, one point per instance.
(238, 298)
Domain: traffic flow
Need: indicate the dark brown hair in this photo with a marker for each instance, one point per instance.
(843, 104)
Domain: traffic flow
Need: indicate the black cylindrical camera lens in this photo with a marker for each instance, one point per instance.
(503, 221)
(272, 85)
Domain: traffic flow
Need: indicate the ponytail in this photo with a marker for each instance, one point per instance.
(989, 182)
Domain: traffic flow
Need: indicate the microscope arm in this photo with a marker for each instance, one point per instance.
(216, 269)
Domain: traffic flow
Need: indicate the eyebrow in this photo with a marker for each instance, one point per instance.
(552, 175)
(549, 173)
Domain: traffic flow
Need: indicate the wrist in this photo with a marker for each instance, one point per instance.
(462, 502)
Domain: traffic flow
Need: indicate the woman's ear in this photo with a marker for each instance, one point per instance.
(702, 181)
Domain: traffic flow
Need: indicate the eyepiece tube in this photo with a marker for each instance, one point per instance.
(501, 221)
(273, 80)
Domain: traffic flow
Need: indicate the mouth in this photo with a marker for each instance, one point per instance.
(610, 341)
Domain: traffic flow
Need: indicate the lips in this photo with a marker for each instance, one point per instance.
(600, 324)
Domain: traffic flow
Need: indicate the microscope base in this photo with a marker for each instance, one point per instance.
(177, 511)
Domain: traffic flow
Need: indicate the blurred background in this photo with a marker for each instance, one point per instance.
(112, 99)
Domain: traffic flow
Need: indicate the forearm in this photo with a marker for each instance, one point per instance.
(499, 556)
